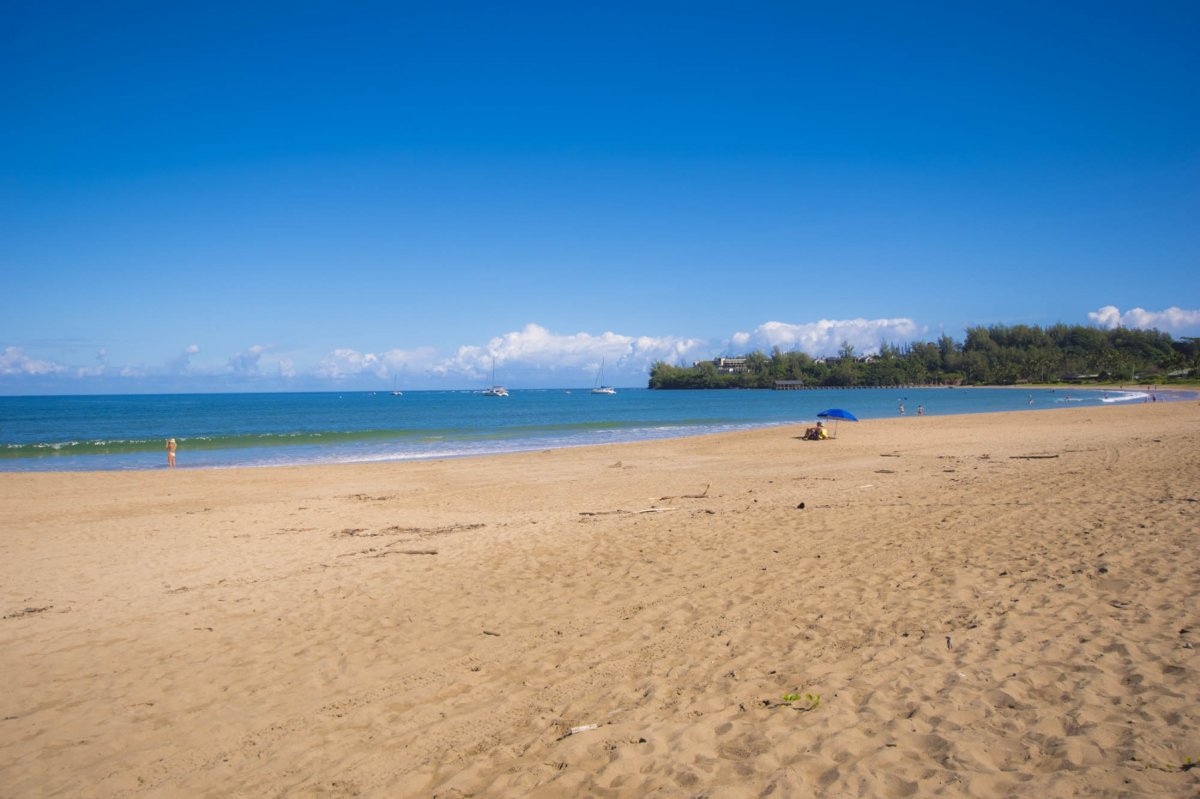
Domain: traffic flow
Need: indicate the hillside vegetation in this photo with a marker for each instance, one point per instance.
(995, 355)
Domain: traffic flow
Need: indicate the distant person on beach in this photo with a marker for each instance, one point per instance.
(901, 408)
(920, 410)
(171, 453)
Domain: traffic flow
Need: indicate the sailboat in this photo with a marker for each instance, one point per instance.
(599, 388)
(395, 391)
(495, 390)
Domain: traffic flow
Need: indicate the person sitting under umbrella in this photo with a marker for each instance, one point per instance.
(817, 433)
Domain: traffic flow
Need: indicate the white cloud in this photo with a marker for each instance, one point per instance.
(1172, 319)
(182, 362)
(825, 337)
(538, 349)
(287, 368)
(14, 361)
(346, 362)
(97, 370)
(1109, 316)
(246, 363)
(397, 361)
(647, 349)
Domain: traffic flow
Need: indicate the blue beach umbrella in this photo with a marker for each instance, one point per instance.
(837, 415)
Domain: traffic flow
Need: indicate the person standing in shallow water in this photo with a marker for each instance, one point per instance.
(171, 453)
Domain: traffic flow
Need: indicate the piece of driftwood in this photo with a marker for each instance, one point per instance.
(28, 612)
(354, 532)
(431, 531)
(1030, 457)
(577, 730)
(622, 510)
(385, 552)
(702, 495)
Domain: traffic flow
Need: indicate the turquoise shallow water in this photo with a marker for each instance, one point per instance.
(222, 430)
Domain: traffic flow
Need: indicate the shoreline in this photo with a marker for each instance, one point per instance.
(285, 454)
(981, 604)
(1114, 387)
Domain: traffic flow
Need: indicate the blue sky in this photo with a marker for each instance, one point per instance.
(272, 196)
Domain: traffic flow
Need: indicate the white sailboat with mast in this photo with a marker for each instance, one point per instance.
(599, 387)
(496, 390)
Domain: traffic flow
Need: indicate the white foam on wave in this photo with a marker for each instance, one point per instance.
(1126, 396)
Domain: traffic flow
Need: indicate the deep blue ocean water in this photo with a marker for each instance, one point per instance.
(223, 430)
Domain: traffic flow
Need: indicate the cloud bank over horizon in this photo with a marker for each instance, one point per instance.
(14, 361)
(532, 356)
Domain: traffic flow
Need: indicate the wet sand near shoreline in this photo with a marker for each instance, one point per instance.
(990, 605)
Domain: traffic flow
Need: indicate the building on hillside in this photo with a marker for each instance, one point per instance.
(728, 366)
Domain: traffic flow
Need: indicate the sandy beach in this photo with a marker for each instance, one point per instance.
(992, 605)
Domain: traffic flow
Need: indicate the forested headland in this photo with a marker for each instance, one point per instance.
(994, 355)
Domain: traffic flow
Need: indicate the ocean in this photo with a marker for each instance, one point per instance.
(75, 433)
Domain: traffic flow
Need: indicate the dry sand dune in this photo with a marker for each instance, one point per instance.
(1002, 605)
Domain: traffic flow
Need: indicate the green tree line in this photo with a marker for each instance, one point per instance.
(993, 355)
